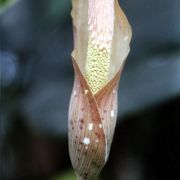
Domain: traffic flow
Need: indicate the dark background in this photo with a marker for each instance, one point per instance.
(36, 79)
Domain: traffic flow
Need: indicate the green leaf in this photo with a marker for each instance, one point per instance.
(68, 175)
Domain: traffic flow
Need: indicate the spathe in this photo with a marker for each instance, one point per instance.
(92, 117)
(89, 147)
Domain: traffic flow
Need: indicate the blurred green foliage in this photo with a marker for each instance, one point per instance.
(58, 10)
(68, 175)
(4, 4)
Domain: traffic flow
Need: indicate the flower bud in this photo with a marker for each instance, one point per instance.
(101, 45)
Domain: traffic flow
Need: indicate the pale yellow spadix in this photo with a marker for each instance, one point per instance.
(100, 27)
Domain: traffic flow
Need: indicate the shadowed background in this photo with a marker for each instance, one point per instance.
(36, 79)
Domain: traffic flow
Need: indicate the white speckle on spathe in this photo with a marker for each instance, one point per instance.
(86, 147)
(97, 140)
(112, 113)
(100, 125)
(74, 93)
(85, 91)
(114, 91)
(90, 126)
(125, 38)
(86, 140)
